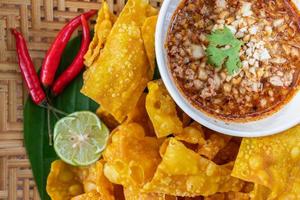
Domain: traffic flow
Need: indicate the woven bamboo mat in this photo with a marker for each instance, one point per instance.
(39, 21)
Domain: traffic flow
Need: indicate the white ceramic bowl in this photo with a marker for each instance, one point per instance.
(284, 119)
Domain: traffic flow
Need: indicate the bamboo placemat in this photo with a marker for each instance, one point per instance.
(39, 21)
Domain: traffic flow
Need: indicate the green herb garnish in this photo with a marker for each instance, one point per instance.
(224, 48)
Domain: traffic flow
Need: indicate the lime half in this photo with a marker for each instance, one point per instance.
(80, 138)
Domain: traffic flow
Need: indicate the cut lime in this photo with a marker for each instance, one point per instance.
(80, 138)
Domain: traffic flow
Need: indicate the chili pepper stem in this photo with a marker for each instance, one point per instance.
(55, 115)
(49, 127)
(53, 109)
(57, 111)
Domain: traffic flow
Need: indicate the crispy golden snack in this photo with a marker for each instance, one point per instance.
(213, 145)
(292, 190)
(273, 162)
(104, 187)
(107, 118)
(192, 134)
(66, 182)
(103, 26)
(186, 120)
(131, 157)
(139, 115)
(92, 195)
(229, 165)
(94, 179)
(183, 172)
(228, 153)
(248, 187)
(139, 195)
(118, 78)
(162, 110)
(148, 34)
(163, 147)
(229, 196)
(63, 181)
(151, 11)
(260, 192)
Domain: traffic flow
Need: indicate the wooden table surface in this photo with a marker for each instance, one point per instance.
(39, 21)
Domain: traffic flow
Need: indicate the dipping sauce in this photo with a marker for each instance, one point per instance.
(266, 64)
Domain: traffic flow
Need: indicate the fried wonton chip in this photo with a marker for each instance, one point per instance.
(229, 196)
(248, 187)
(214, 144)
(162, 110)
(120, 75)
(186, 119)
(92, 195)
(63, 181)
(139, 195)
(183, 172)
(260, 192)
(163, 147)
(192, 134)
(103, 26)
(139, 115)
(94, 179)
(131, 157)
(228, 153)
(151, 11)
(66, 182)
(148, 34)
(273, 162)
(293, 191)
(107, 118)
(229, 165)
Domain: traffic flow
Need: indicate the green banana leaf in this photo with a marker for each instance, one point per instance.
(40, 153)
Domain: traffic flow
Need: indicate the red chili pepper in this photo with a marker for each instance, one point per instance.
(53, 56)
(77, 65)
(27, 69)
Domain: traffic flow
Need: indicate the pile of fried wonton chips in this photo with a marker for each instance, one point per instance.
(156, 152)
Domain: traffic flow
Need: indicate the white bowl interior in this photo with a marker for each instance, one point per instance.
(286, 118)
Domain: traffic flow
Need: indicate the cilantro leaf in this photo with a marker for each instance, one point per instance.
(224, 48)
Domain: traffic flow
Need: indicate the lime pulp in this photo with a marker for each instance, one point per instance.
(80, 138)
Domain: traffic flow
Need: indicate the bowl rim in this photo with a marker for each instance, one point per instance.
(183, 103)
